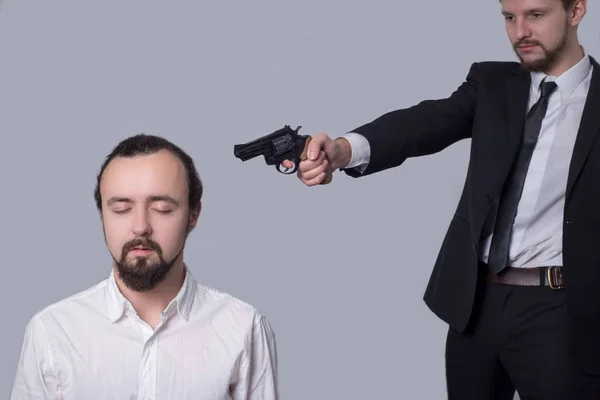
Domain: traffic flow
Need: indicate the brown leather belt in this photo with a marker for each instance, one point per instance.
(539, 276)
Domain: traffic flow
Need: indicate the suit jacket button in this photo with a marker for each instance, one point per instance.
(489, 198)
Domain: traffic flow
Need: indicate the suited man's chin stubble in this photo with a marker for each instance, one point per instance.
(540, 63)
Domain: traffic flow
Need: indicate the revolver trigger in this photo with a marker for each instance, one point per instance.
(285, 169)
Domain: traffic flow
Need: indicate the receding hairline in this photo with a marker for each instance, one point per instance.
(147, 144)
(153, 197)
(160, 152)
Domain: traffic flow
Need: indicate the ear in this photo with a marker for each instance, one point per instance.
(578, 11)
(194, 216)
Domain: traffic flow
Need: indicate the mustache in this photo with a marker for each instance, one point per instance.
(140, 242)
(526, 43)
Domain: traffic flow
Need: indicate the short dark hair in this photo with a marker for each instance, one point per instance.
(566, 3)
(145, 144)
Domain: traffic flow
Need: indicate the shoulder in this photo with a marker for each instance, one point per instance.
(72, 309)
(225, 308)
(494, 69)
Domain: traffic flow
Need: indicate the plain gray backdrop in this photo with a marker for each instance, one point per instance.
(338, 270)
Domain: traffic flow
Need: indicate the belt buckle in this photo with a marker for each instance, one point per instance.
(552, 273)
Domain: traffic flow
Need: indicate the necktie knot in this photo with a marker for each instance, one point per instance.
(547, 88)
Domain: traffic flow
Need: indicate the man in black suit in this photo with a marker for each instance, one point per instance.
(518, 274)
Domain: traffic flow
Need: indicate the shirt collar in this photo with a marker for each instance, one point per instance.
(118, 305)
(569, 80)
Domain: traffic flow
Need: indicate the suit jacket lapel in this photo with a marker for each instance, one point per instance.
(517, 97)
(506, 139)
(588, 128)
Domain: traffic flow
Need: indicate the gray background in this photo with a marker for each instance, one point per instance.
(339, 270)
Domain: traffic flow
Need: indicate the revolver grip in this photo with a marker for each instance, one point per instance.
(304, 156)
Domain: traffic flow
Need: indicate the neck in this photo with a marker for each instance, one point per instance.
(572, 55)
(150, 304)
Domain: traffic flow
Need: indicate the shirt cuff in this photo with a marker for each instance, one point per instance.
(361, 151)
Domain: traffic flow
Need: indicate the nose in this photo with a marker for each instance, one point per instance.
(522, 29)
(141, 223)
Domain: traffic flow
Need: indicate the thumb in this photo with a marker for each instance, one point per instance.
(315, 146)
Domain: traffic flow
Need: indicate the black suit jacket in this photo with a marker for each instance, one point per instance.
(489, 107)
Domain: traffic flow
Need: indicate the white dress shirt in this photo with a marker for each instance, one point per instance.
(93, 346)
(536, 239)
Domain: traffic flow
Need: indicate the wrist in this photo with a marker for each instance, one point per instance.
(344, 153)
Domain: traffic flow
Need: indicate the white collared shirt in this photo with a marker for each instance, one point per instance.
(537, 231)
(93, 346)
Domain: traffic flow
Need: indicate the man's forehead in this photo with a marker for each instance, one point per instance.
(145, 173)
(161, 162)
(526, 5)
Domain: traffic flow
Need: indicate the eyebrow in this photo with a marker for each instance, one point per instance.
(538, 10)
(530, 11)
(166, 198)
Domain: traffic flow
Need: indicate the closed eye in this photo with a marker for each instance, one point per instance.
(164, 211)
(120, 211)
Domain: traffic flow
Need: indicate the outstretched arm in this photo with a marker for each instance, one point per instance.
(423, 129)
(387, 141)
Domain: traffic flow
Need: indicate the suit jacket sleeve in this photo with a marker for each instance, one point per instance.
(423, 129)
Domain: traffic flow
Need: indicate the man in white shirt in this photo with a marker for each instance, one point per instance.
(149, 331)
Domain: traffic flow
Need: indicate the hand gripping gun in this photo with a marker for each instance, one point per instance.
(283, 144)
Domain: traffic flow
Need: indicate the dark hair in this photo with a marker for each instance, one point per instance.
(144, 144)
(566, 3)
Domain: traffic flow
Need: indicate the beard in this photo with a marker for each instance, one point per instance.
(144, 273)
(547, 60)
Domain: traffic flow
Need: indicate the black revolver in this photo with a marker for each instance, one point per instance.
(283, 144)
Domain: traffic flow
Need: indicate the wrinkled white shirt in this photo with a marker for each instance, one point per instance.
(93, 346)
